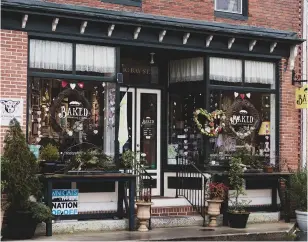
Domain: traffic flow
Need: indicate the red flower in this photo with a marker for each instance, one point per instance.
(218, 190)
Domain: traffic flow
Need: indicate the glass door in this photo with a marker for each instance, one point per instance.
(148, 118)
(140, 128)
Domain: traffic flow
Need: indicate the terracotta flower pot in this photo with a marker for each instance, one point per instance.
(214, 211)
(268, 169)
(143, 215)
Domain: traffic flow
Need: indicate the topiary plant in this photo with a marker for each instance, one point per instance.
(18, 169)
(19, 172)
(237, 183)
(49, 153)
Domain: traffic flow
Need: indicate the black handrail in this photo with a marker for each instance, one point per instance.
(144, 184)
(194, 189)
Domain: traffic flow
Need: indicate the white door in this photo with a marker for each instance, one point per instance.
(143, 122)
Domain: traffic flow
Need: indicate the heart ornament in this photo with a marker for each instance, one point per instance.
(73, 85)
(212, 123)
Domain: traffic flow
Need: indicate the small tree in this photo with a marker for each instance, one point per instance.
(19, 173)
(19, 168)
(237, 183)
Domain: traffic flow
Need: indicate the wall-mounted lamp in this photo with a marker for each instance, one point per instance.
(152, 58)
(296, 80)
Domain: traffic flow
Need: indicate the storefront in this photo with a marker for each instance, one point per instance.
(134, 81)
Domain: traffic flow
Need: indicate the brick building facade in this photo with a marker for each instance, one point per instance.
(263, 31)
(272, 14)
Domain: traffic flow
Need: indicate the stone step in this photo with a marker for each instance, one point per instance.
(69, 226)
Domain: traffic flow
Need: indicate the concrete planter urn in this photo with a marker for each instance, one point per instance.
(301, 219)
(143, 215)
(214, 211)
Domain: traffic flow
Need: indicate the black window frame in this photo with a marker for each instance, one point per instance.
(234, 16)
(133, 3)
(208, 87)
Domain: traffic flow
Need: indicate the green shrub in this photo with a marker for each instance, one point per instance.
(49, 153)
(298, 189)
(19, 173)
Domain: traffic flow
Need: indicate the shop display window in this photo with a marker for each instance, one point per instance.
(184, 137)
(249, 127)
(66, 113)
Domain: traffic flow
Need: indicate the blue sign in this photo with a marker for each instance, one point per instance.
(65, 201)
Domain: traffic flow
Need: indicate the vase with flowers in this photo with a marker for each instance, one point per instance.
(218, 192)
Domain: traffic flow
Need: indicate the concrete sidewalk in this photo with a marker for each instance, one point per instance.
(271, 232)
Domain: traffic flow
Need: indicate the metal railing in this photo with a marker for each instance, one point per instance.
(192, 185)
(144, 183)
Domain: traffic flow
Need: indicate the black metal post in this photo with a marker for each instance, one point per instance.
(49, 204)
(132, 193)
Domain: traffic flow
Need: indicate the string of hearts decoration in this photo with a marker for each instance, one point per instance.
(242, 118)
(212, 123)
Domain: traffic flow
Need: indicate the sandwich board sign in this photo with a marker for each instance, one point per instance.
(65, 201)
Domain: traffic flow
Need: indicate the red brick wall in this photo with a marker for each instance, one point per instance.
(277, 14)
(290, 120)
(14, 56)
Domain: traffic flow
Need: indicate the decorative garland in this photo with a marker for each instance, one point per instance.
(214, 124)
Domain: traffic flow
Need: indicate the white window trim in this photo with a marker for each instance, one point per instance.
(225, 11)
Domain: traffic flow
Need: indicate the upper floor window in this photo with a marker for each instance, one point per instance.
(230, 6)
(234, 9)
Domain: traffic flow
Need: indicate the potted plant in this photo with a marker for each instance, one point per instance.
(237, 215)
(144, 211)
(298, 192)
(217, 194)
(128, 159)
(250, 162)
(92, 160)
(268, 167)
(19, 171)
(49, 157)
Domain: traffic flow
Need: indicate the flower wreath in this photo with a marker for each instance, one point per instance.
(215, 121)
(235, 108)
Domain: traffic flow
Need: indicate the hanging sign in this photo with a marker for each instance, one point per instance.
(242, 117)
(301, 95)
(65, 201)
(11, 108)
